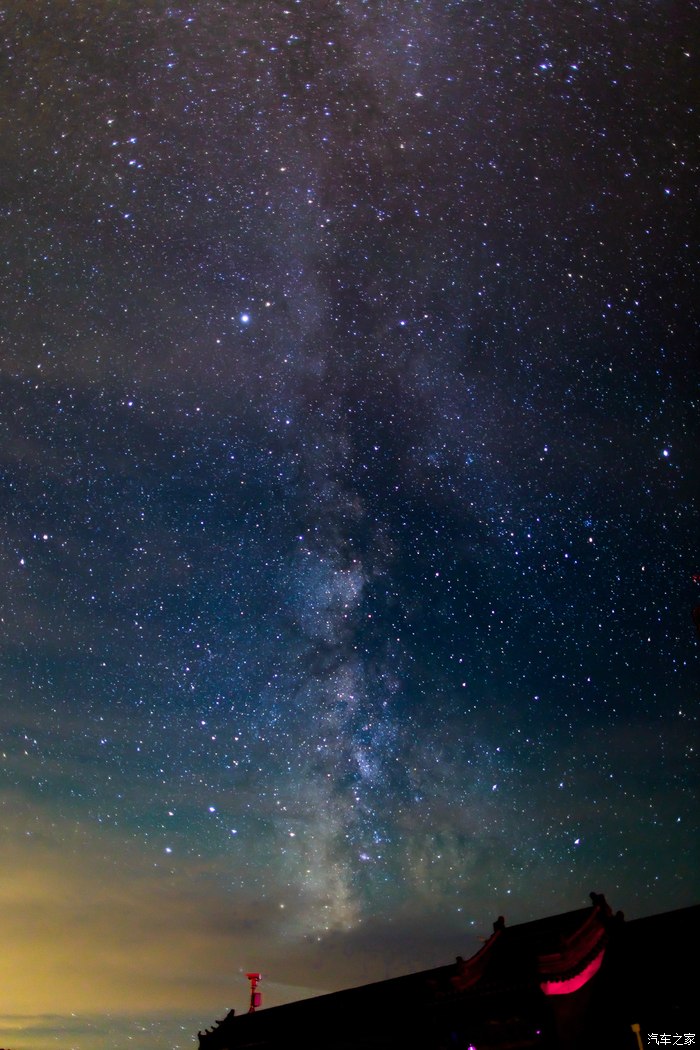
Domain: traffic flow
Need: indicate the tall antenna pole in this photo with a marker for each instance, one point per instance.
(255, 996)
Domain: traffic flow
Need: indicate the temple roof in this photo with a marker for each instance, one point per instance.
(550, 957)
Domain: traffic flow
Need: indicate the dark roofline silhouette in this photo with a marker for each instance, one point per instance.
(537, 984)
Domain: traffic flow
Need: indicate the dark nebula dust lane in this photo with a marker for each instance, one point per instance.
(348, 396)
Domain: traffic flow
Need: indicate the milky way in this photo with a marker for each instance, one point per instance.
(349, 478)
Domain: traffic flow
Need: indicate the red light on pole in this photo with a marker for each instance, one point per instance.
(255, 996)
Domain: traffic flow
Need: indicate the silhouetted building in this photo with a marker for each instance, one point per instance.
(584, 979)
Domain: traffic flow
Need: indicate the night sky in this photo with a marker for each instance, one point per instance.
(349, 475)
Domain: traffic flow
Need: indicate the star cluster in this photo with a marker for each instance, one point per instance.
(349, 478)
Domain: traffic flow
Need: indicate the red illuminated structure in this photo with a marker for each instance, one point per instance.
(582, 980)
(255, 996)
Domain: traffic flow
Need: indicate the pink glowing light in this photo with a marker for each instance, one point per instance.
(572, 984)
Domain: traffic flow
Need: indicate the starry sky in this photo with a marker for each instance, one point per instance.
(348, 492)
